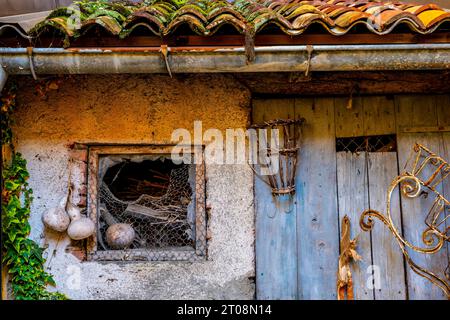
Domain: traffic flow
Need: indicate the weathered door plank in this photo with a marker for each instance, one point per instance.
(317, 214)
(353, 189)
(352, 200)
(349, 122)
(276, 232)
(418, 111)
(379, 119)
(387, 257)
(379, 116)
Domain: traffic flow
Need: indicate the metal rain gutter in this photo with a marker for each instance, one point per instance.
(233, 59)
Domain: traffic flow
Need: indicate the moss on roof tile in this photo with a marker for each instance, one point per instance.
(205, 17)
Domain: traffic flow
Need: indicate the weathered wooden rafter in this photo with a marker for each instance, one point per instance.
(347, 83)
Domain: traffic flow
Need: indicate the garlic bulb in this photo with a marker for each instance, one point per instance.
(120, 235)
(73, 212)
(56, 218)
(81, 228)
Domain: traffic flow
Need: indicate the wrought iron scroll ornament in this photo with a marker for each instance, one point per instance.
(424, 172)
(277, 142)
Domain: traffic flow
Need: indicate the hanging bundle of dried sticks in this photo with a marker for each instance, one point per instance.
(348, 254)
(277, 142)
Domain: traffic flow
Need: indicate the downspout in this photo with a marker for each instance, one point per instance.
(232, 59)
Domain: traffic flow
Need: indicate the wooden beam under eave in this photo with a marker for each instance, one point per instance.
(345, 83)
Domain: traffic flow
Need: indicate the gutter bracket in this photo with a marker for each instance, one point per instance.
(165, 54)
(250, 46)
(309, 50)
(30, 60)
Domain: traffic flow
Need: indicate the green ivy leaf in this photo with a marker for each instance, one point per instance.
(12, 236)
(21, 255)
(12, 185)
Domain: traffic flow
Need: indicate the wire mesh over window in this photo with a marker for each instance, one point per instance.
(382, 143)
(154, 198)
(147, 208)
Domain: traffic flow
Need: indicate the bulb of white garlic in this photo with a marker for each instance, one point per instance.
(73, 212)
(81, 228)
(56, 218)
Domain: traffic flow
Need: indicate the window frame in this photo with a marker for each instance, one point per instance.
(199, 252)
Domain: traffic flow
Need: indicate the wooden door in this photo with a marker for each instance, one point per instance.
(363, 178)
(297, 246)
(309, 227)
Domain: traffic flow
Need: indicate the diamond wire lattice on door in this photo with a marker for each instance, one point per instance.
(424, 172)
(381, 143)
(146, 197)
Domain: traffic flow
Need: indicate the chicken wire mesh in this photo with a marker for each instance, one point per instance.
(168, 225)
(157, 221)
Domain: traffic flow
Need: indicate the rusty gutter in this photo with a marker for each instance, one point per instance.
(226, 59)
(152, 49)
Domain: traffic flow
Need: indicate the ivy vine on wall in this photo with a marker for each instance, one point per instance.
(22, 256)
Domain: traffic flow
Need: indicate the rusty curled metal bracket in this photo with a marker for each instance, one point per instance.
(165, 53)
(30, 59)
(423, 173)
(348, 252)
(309, 51)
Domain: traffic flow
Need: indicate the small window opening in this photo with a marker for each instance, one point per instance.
(381, 143)
(129, 180)
(154, 197)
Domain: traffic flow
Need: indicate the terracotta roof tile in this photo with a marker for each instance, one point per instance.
(432, 17)
(205, 17)
(349, 18)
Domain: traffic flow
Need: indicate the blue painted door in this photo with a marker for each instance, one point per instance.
(297, 242)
